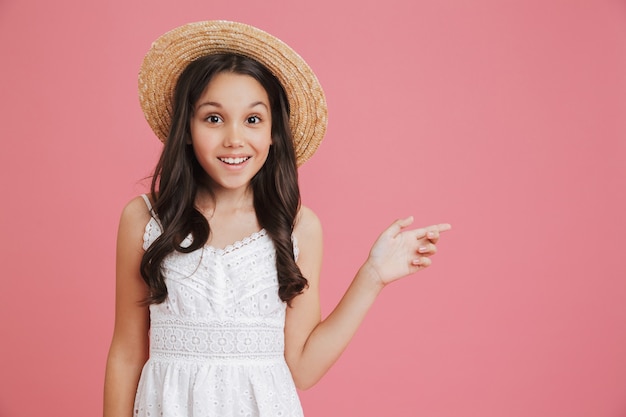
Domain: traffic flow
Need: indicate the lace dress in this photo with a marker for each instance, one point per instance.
(217, 342)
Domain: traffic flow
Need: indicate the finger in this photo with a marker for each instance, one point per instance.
(428, 249)
(423, 262)
(420, 233)
(433, 232)
(399, 224)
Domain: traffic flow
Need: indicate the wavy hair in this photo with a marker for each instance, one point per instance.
(174, 186)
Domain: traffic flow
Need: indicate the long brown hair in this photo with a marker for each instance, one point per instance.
(175, 182)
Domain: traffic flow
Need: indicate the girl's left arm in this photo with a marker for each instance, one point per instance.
(313, 345)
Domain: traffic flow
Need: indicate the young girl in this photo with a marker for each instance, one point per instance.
(217, 301)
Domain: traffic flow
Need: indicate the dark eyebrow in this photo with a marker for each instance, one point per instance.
(218, 105)
(257, 103)
(208, 103)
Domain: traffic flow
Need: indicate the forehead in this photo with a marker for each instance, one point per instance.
(234, 88)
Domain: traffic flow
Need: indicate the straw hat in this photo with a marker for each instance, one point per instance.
(173, 51)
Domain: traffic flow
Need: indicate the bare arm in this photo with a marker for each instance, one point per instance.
(312, 345)
(129, 346)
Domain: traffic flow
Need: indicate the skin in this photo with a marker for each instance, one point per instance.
(129, 346)
(232, 119)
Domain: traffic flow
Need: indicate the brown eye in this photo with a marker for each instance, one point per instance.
(213, 119)
(253, 120)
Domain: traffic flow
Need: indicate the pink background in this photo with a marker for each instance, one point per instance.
(503, 118)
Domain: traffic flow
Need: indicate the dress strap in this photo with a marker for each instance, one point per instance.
(152, 212)
(296, 249)
(147, 200)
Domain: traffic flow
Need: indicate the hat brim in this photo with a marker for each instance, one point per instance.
(172, 52)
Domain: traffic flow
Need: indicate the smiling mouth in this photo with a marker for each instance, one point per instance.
(234, 161)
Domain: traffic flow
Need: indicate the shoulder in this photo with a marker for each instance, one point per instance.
(308, 234)
(135, 216)
(136, 211)
(308, 225)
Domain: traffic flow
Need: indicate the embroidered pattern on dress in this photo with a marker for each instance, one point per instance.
(185, 339)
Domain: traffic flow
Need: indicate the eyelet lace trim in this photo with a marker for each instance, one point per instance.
(153, 230)
(238, 244)
(186, 339)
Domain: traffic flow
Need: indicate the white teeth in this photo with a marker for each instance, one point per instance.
(234, 161)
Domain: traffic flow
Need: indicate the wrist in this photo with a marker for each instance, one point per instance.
(370, 277)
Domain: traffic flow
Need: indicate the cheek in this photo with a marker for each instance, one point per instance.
(202, 148)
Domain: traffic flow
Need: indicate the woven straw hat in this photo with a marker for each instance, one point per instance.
(173, 51)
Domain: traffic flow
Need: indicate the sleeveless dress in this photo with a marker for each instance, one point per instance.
(217, 341)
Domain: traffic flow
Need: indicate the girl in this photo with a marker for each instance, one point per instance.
(205, 326)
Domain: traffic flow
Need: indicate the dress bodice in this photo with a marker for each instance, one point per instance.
(217, 341)
(221, 302)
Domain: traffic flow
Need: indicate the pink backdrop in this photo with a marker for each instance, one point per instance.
(503, 118)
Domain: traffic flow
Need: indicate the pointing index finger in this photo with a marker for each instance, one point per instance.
(434, 231)
(426, 231)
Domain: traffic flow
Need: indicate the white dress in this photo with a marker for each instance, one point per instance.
(217, 342)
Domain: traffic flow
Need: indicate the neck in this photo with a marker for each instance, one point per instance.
(212, 200)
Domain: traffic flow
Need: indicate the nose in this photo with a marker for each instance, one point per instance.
(234, 136)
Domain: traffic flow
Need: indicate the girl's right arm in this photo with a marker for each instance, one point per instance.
(129, 346)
